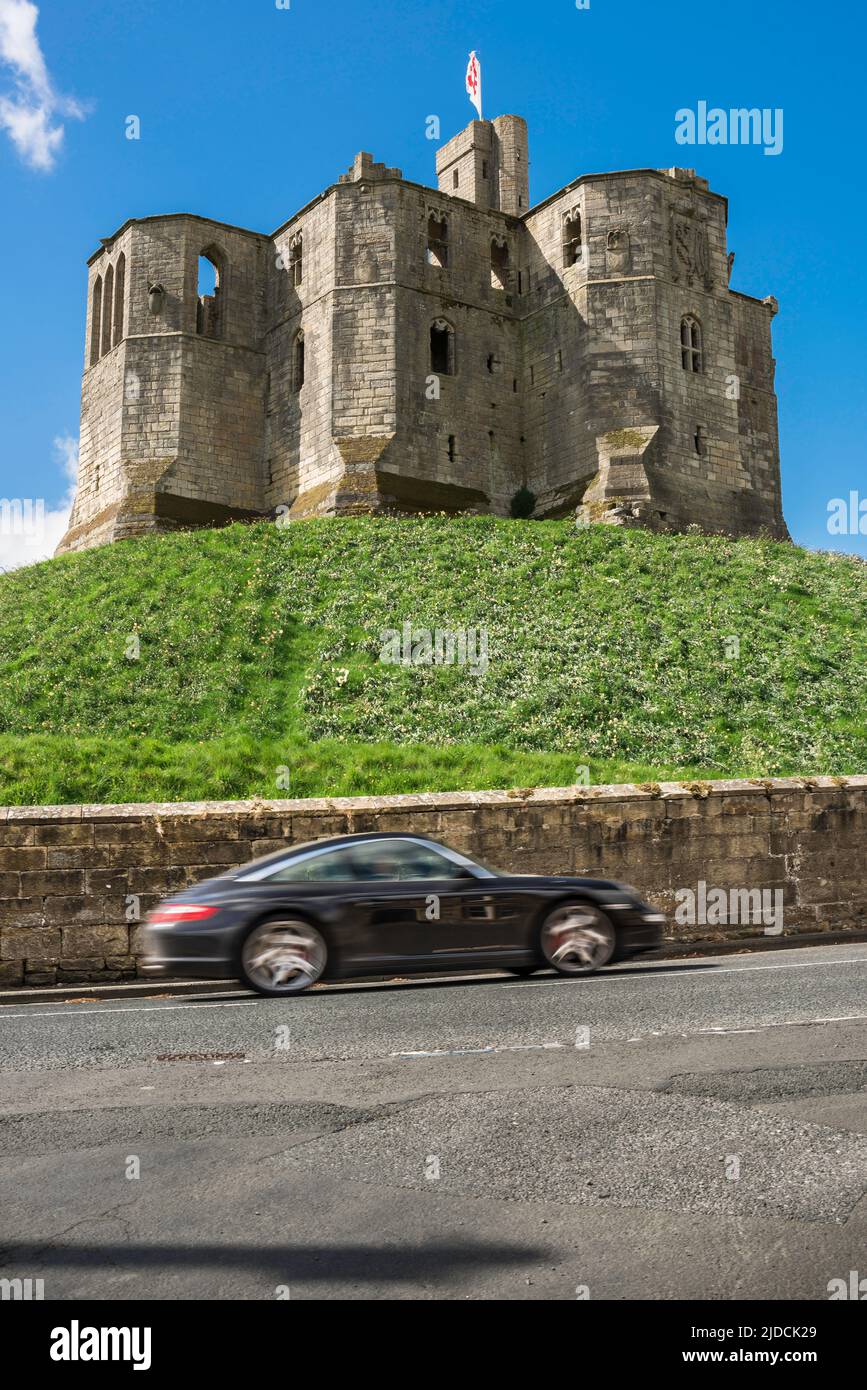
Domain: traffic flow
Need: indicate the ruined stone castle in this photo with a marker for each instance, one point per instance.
(400, 348)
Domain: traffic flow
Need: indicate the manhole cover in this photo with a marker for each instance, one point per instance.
(201, 1057)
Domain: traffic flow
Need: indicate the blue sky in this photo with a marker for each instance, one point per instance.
(248, 110)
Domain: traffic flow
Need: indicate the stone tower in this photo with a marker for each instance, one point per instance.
(394, 347)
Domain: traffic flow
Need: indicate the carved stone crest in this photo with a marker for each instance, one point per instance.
(369, 259)
(618, 251)
(690, 250)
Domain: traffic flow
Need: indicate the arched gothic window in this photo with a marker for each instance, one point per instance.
(499, 264)
(442, 348)
(96, 320)
(296, 259)
(107, 301)
(210, 303)
(571, 238)
(119, 286)
(691, 345)
(437, 241)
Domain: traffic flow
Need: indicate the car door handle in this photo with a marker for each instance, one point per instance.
(481, 909)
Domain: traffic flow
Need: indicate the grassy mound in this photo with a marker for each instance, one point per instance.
(246, 661)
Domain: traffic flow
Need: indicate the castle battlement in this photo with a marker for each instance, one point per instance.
(396, 348)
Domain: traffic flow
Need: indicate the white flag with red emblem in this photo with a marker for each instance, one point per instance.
(474, 83)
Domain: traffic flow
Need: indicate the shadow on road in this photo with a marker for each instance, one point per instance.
(284, 1262)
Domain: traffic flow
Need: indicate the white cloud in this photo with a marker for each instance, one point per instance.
(30, 530)
(30, 113)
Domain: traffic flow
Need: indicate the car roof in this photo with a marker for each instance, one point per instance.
(326, 841)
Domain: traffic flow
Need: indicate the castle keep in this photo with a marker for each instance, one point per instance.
(396, 348)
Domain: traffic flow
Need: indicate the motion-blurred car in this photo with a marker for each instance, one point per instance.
(385, 904)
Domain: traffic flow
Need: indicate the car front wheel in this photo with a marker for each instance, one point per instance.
(577, 938)
(283, 956)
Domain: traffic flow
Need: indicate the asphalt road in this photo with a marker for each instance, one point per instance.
(688, 1129)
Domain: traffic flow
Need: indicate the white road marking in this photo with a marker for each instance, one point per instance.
(699, 1032)
(841, 1018)
(744, 1030)
(80, 1011)
(687, 974)
(474, 1051)
(763, 1027)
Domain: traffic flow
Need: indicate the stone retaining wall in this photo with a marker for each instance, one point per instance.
(76, 880)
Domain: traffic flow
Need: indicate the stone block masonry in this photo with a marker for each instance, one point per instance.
(75, 880)
(399, 348)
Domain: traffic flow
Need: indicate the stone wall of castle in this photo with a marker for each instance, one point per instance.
(306, 383)
(301, 460)
(462, 432)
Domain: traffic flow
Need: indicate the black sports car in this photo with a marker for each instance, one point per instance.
(389, 904)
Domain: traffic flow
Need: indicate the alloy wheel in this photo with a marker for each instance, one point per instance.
(283, 957)
(577, 939)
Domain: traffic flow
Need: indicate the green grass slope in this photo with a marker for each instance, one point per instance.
(258, 669)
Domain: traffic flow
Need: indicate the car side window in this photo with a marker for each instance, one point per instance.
(403, 860)
(335, 865)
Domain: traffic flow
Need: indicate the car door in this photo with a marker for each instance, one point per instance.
(491, 925)
(440, 911)
(404, 892)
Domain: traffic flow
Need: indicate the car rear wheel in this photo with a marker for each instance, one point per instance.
(577, 938)
(283, 956)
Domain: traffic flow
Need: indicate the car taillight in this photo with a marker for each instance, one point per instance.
(181, 912)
